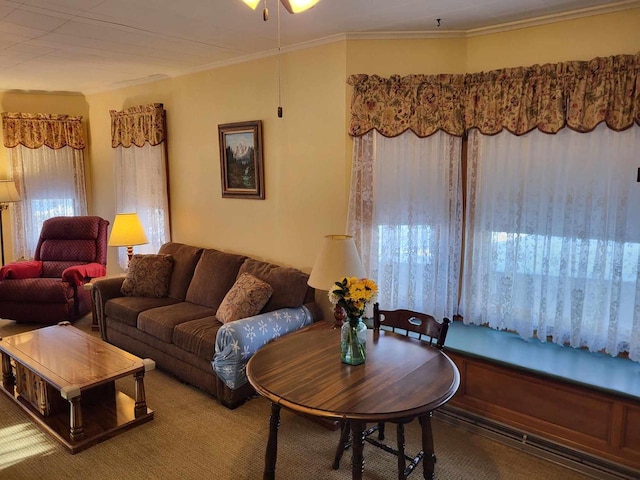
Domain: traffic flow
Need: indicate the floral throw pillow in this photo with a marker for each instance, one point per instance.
(148, 276)
(245, 299)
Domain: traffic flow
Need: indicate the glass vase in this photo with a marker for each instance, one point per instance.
(353, 342)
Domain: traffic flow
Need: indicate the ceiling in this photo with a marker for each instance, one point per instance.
(93, 45)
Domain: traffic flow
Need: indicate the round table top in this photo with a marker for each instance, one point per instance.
(401, 377)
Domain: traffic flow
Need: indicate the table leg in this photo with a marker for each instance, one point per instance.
(272, 445)
(345, 429)
(429, 461)
(8, 379)
(357, 459)
(76, 431)
(141, 399)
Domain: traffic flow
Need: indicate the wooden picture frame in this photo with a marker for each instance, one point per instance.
(241, 161)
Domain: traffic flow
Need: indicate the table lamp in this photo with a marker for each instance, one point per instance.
(8, 194)
(127, 231)
(338, 258)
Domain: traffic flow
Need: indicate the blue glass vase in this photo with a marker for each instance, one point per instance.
(353, 342)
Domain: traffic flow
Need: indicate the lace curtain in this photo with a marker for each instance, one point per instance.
(140, 169)
(405, 212)
(47, 165)
(553, 239)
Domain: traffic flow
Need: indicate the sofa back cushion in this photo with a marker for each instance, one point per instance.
(214, 276)
(185, 259)
(289, 284)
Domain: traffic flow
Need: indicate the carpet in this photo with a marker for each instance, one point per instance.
(194, 437)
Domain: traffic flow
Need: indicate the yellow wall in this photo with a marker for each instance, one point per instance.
(306, 191)
(308, 152)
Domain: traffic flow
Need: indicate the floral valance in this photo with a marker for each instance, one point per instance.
(576, 94)
(33, 130)
(138, 125)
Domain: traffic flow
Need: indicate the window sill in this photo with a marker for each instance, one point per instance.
(617, 376)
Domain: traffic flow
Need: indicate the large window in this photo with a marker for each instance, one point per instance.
(553, 237)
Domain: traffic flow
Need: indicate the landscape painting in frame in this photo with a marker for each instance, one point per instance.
(241, 162)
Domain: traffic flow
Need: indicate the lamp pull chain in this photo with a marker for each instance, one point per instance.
(279, 68)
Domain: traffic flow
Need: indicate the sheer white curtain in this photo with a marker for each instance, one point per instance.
(51, 182)
(405, 212)
(141, 187)
(553, 237)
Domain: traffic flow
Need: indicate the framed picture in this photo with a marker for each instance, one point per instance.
(241, 162)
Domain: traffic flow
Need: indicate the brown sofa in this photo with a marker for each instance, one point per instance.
(180, 330)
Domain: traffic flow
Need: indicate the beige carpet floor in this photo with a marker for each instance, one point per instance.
(193, 437)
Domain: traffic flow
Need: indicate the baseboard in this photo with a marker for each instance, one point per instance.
(538, 446)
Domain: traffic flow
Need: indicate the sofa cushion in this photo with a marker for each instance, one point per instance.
(127, 309)
(161, 321)
(148, 276)
(289, 284)
(197, 336)
(245, 299)
(215, 274)
(185, 259)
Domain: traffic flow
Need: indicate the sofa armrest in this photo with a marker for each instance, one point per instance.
(236, 342)
(102, 291)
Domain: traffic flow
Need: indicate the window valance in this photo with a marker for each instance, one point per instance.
(33, 130)
(138, 125)
(577, 94)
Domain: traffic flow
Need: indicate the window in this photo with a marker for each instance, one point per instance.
(51, 183)
(553, 237)
(406, 215)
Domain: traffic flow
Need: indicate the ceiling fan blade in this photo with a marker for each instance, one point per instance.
(252, 3)
(296, 6)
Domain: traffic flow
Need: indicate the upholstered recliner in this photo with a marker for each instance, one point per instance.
(49, 288)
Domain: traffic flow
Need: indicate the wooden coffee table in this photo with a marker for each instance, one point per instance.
(65, 380)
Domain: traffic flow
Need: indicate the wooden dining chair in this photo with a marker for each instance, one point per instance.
(425, 328)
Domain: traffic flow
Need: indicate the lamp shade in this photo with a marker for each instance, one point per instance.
(338, 258)
(8, 192)
(127, 231)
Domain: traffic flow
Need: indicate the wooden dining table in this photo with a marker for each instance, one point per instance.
(402, 378)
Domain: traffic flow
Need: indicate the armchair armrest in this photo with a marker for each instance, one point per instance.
(28, 269)
(77, 274)
(236, 342)
(103, 290)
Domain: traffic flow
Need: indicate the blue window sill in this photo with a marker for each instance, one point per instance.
(618, 376)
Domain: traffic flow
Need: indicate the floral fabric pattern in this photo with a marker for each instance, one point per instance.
(577, 94)
(138, 125)
(148, 276)
(33, 130)
(236, 342)
(245, 299)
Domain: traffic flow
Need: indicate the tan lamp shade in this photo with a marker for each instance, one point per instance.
(8, 192)
(338, 258)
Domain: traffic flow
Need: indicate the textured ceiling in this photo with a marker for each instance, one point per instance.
(93, 45)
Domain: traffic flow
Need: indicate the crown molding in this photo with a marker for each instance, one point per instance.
(427, 34)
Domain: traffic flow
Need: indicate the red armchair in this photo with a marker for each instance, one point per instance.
(48, 289)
